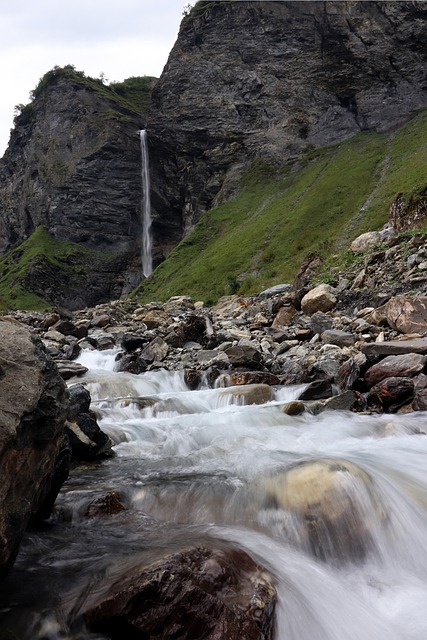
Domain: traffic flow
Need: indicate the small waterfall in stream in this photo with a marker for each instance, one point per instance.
(196, 466)
(147, 258)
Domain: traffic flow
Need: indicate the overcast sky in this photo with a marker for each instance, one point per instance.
(119, 38)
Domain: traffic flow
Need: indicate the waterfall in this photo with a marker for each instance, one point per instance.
(147, 259)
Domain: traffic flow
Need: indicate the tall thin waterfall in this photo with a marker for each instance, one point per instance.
(147, 258)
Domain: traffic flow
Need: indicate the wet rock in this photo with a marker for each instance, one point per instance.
(196, 593)
(106, 505)
(133, 363)
(342, 402)
(192, 378)
(250, 394)
(212, 358)
(87, 440)
(391, 393)
(408, 314)
(406, 365)
(247, 377)
(317, 390)
(131, 342)
(347, 374)
(79, 401)
(33, 401)
(334, 509)
(293, 408)
(321, 298)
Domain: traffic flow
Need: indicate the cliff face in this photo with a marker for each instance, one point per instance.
(72, 165)
(248, 79)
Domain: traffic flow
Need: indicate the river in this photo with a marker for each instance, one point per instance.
(196, 466)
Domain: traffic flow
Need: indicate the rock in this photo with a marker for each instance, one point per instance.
(407, 314)
(406, 365)
(192, 328)
(321, 298)
(131, 342)
(133, 363)
(87, 440)
(366, 241)
(212, 358)
(106, 505)
(284, 316)
(33, 402)
(79, 401)
(347, 374)
(395, 347)
(156, 350)
(317, 390)
(342, 402)
(320, 322)
(243, 356)
(337, 337)
(249, 394)
(293, 408)
(276, 290)
(196, 593)
(69, 369)
(192, 378)
(391, 393)
(334, 507)
(154, 318)
(238, 378)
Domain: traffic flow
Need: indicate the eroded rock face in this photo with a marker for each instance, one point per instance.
(33, 402)
(197, 593)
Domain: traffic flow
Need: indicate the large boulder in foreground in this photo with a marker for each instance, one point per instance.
(331, 508)
(33, 402)
(196, 593)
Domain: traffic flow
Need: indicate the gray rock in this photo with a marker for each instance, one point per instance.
(338, 338)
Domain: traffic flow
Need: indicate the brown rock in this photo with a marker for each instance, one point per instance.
(293, 408)
(105, 505)
(406, 366)
(284, 316)
(238, 378)
(391, 393)
(407, 314)
(250, 394)
(196, 593)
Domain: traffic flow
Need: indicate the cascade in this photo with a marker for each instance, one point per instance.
(147, 259)
(194, 466)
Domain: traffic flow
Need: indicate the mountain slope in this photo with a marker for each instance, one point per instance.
(318, 203)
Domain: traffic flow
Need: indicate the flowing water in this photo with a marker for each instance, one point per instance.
(196, 466)
(147, 259)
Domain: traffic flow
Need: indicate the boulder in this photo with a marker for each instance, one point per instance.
(321, 298)
(405, 365)
(283, 316)
(365, 241)
(407, 314)
(243, 356)
(33, 403)
(195, 593)
(317, 390)
(333, 506)
(391, 394)
(338, 338)
(249, 394)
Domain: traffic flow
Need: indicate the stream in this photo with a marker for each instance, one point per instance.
(197, 466)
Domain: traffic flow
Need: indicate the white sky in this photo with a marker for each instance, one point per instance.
(120, 38)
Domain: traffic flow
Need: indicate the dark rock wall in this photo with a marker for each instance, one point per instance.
(248, 79)
(73, 166)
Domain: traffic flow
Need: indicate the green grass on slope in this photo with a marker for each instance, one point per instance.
(261, 237)
(321, 204)
(38, 264)
(405, 174)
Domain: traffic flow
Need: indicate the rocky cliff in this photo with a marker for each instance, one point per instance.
(250, 79)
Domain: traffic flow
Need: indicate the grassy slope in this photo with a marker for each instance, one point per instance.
(262, 236)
